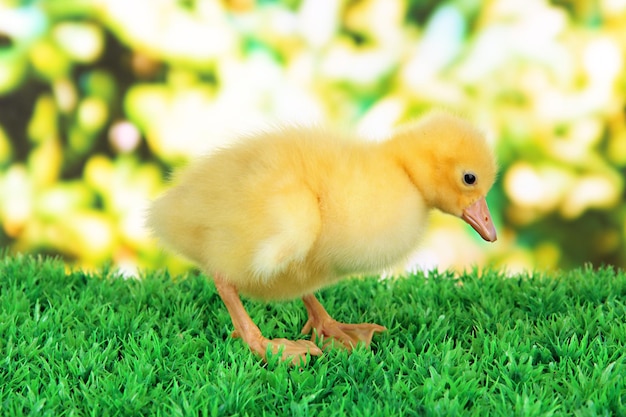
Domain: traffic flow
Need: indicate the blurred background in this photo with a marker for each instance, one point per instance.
(101, 99)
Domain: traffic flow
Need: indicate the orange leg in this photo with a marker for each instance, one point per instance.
(325, 326)
(295, 351)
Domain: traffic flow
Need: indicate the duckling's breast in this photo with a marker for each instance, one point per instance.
(375, 223)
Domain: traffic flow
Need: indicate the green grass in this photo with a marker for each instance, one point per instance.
(76, 344)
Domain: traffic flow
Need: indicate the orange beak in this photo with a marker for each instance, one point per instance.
(477, 215)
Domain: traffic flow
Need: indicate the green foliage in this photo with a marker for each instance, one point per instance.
(472, 344)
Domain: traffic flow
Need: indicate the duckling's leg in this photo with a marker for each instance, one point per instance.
(246, 329)
(325, 326)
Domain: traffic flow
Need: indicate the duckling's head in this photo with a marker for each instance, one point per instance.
(452, 165)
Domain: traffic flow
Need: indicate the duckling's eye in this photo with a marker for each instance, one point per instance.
(469, 178)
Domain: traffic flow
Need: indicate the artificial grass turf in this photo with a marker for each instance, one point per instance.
(77, 344)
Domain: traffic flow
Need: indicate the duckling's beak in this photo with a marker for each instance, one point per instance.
(477, 215)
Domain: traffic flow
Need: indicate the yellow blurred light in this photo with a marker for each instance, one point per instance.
(167, 30)
(357, 65)
(45, 162)
(188, 122)
(577, 147)
(547, 255)
(93, 113)
(439, 45)
(258, 89)
(43, 123)
(79, 140)
(99, 172)
(381, 20)
(380, 120)
(318, 21)
(49, 61)
(448, 244)
(516, 261)
(65, 94)
(522, 215)
(132, 227)
(613, 6)
(83, 42)
(16, 202)
(298, 105)
(6, 150)
(616, 151)
(63, 198)
(123, 197)
(603, 60)
(88, 234)
(54, 202)
(13, 70)
(591, 191)
(538, 188)
(149, 179)
(182, 78)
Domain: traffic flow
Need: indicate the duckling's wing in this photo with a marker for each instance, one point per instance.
(294, 216)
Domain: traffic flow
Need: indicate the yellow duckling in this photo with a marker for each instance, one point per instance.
(283, 213)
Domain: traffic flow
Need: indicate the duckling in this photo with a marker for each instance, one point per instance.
(282, 213)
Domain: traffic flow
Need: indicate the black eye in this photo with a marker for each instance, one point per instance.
(469, 178)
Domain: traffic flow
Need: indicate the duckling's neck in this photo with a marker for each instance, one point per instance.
(418, 162)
